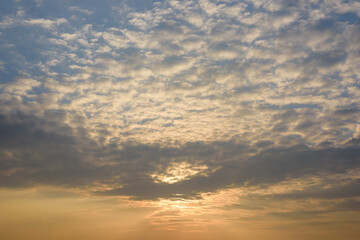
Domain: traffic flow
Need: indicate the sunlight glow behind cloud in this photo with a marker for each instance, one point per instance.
(178, 172)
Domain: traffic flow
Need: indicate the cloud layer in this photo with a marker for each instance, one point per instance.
(184, 99)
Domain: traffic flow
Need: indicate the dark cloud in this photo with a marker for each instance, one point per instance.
(268, 167)
(39, 152)
(347, 111)
(35, 151)
(348, 205)
(329, 58)
(336, 191)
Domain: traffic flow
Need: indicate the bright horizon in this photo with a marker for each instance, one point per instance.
(184, 120)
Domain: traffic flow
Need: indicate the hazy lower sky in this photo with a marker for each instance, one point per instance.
(209, 119)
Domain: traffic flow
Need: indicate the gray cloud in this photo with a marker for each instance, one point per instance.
(35, 151)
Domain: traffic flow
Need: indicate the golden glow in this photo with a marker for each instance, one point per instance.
(178, 172)
(231, 213)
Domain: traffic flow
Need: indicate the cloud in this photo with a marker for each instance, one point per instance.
(10, 21)
(347, 190)
(54, 149)
(210, 96)
(20, 86)
(45, 23)
(75, 8)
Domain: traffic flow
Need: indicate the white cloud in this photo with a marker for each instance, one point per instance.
(204, 72)
(45, 23)
(21, 86)
(78, 9)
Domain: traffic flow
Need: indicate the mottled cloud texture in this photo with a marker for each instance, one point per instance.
(244, 106)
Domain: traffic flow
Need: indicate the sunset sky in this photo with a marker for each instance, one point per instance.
(184, 120)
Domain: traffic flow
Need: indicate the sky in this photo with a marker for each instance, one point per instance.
(208, 119)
